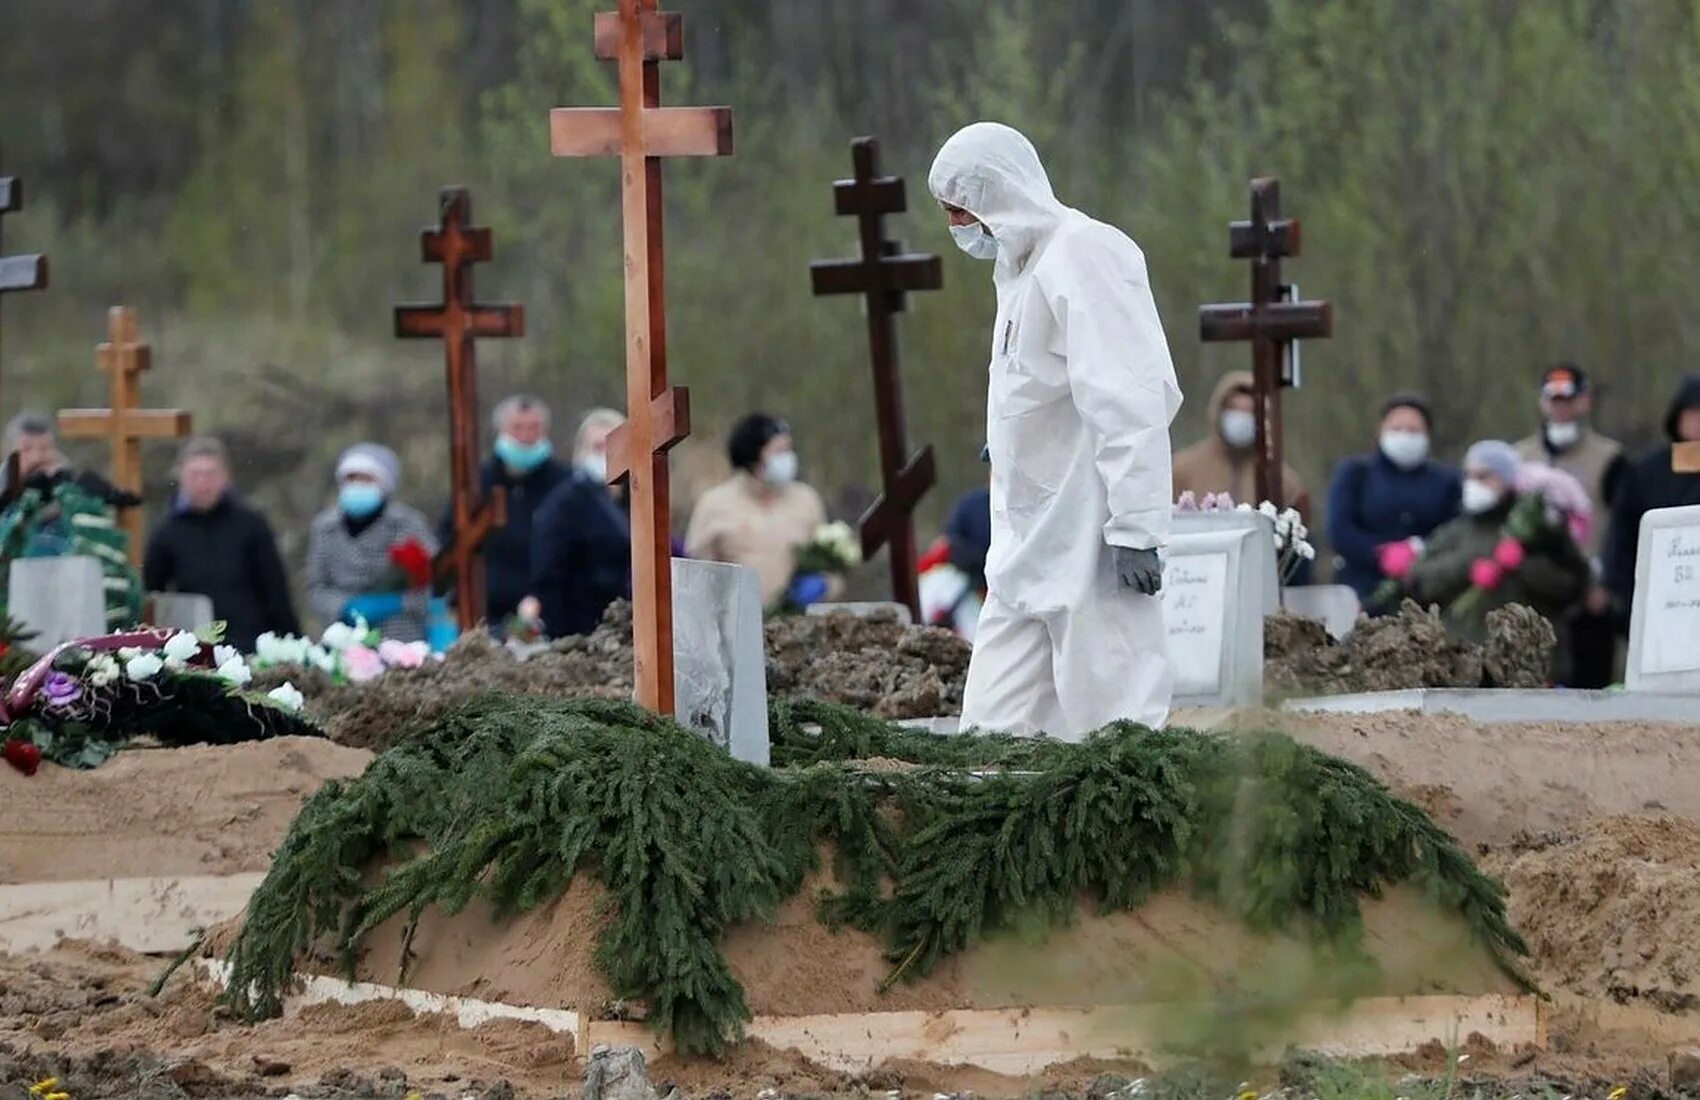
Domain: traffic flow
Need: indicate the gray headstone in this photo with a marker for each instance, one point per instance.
(1218, 583)
(60, 599)
(1336, 605)
(1664, 628)
(719, 659)
(181, 610)
(864, 611)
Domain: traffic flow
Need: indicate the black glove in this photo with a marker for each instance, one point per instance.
(1139, 570)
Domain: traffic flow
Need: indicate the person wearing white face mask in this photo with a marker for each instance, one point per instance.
(1567, 440)
(1226, 462)
(581, 541)
(762, 513)
(1382, 505)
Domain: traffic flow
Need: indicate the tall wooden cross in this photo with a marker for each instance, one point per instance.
(640, 132)
(1269, 321)
(28, 272)
(458, 321)
(884, 274)
(122, 358)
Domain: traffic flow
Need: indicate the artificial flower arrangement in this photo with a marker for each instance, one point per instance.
(833, 550)
(77, 704)
(1292, 538)
(347, 654)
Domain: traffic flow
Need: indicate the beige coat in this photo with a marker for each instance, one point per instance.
(1588, 462)
(746, 522)
(1210, 466)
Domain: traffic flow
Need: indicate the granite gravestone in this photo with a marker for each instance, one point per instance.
(719, 659)
(1664, 630)
(60, 599)
(1219, 582)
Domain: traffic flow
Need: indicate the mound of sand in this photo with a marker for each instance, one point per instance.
(203, 810)
(1612, 911)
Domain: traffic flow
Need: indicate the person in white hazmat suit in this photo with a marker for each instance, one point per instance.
(1079, 402)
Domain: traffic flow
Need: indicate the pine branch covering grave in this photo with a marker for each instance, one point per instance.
(513, 796)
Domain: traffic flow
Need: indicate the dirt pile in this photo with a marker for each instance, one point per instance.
(876, 664)
(1613, 910)
(1410, 649)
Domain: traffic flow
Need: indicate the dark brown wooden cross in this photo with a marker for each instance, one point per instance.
(1269, 321)
(122, 358)
(458, 321)
(640, 132)
(18, 272)
(883, 275)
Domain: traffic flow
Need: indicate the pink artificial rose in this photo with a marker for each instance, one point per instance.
(362, 663)
(1220, 502)
(396, 654)
(1396, 559)
(1581, 524)
(1188, 502)
(1485, 573)
(1508, 555)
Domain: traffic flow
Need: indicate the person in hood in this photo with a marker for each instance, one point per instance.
(1226, 461)
(348, 548)
(1080, 398)
(1381, 506)
(1652, 482)
(522, 465)
(762, 513)
(581, 539)
(213, 543)
(32, 439)
(1567, 441)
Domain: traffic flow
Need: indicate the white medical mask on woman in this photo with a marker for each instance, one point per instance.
(1239, 428)
(1479, 497)
(780, 469)
(1406, 450)
(975, 240)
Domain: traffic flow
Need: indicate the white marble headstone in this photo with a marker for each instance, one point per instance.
(181, 610)
(1664, 629)
(1218, 583)
(719, 656)
(60, 599)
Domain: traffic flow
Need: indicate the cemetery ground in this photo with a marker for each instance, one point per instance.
(1595, 828)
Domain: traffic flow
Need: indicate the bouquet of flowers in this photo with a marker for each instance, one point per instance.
(833, 550)
(75, 705)
(1212, 502)
(1292, 538)
(1535, 521)
(410, 567)
(347, 654)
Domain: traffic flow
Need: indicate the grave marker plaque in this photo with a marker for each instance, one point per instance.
(719, 657)
(1219, 582)
(1664, 631)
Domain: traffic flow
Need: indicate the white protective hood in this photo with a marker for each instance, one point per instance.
(993, 172)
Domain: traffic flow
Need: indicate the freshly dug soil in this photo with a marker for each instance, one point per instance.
(203, 810)
(1410, 649)
(876, 664)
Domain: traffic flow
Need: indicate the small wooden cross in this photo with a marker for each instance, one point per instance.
(456, 244)
(640, 132)
(1269, 321)
(884, 274)
(122, 358)
(28, 272)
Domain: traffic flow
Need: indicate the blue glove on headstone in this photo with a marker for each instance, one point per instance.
(374, 607)
(807, 588)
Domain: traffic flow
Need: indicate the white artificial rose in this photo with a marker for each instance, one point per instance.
(181, 646)
(320, 658)
(340, 636)
(1243, 506)
(1307, 551)
(287, 696)
(224, 654)
(129, 651)
(1268, 508)
(235, 672)
(143, 666)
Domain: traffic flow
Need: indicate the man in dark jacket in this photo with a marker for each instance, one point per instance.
(524, 466)
(581, 541)
(1389, 499)
(213, 544)
(1652, 482)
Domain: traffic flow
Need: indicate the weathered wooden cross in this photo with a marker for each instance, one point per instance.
(640, 132)
(884, 274)
(122, 358)
(18, 272)
(1269, 321)
(458, 321)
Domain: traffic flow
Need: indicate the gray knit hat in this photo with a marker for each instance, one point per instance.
(1495, 456)
(373, 459)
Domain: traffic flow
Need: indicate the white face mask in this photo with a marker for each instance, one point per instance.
(1479, 497)
(1565, 434)
(595, 466)
(780, 469)
(1239, 428)
(975, 240)
(1406, 450)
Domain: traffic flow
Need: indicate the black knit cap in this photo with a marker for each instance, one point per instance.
(1410, 399)
(750, 435)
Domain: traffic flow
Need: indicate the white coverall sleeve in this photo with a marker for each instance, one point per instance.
(1122, 381)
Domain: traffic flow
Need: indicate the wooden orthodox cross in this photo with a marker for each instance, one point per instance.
(1269, 321)
(123, 358)
(18, 272)
(883, 274)
(640, 132)
(458, 321)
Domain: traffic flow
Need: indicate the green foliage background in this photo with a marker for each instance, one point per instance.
(1486, 185)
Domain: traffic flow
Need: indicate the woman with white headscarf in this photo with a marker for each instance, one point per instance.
(348, 550)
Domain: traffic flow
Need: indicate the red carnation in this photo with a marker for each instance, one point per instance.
(413, 560)
(23, 756)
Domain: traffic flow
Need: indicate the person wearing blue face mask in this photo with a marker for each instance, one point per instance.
(348, 548)
(523, 465)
